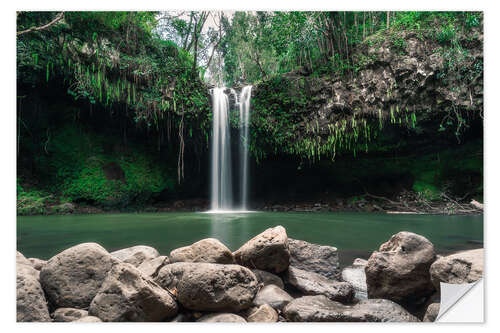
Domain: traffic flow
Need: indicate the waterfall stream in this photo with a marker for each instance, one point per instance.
(221, 178)
(244, 103)
(221, 163)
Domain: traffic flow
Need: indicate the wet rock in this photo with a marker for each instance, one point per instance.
(262, 314)
(31, 304)
(206, 250)
(266, 278)
(320, 308)
(432, 312)
(320, 259)
(127, 295)
(267, 251)
(314, 284)
(210, 287)
(462, 267)
(136, 255)
(37, 263)
(272, 295)
(88, 319)
(69, 314)
(222, 318)
(399, 271)
(355, 275)
(73, 277)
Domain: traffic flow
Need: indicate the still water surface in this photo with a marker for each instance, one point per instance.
(354, 234)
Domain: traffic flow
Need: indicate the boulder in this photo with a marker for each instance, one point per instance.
(221, 318)
(210, 287)
(73, 277)
(320, 259)
(127, 295)
(311, 283)
(68, 314)
(150, 268)
(88, 319)
(31, 304)
(462, 267)
(267, 251)
(262, 314)
(266, 278)
(320, 308)
(136, 255)
(272, 295)
(432, 312)
(37, 263)
(206, 250)
(24, 266)
(399, 271)
(355, 275)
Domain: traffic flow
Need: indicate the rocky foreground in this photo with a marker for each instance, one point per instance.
(271, 278)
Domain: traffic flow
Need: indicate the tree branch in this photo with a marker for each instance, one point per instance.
(58, 17)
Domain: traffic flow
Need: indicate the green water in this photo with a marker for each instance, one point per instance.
(354, 234)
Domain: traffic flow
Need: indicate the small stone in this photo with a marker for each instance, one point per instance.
(314, 284)
(266, 278)
(272, 295)
(263, 314)
(222, 318)
(69, 314)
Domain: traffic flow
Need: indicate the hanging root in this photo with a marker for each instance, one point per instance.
(180, 160)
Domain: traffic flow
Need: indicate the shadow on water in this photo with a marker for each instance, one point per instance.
(354, 234)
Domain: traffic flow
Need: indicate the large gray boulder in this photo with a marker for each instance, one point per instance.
(150, 268)
(68, 314)
(73, 277)
(262, 314)
(399, 271)
(127, 295)
(136, 255)
(462, 267)
(31, 304)
(355, 275)
(222, 318)
(25, 267)
(311, 283)
(276, 297)
(210, 287)
(206, 250)
(320, 259)
(267, 251)
(320, 308)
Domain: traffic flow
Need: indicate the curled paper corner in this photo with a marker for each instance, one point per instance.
(461, 302)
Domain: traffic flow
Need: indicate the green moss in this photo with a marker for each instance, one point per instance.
(77, 161)
(31, 201)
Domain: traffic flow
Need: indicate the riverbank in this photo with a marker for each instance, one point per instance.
(407, 203)
(270, 278)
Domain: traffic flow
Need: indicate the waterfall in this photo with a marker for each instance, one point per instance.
(244, 103)
(221, 174)
(222, 192)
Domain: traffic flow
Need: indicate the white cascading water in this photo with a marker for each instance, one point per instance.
(222, 191)
(244, 102)
(221, 178)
